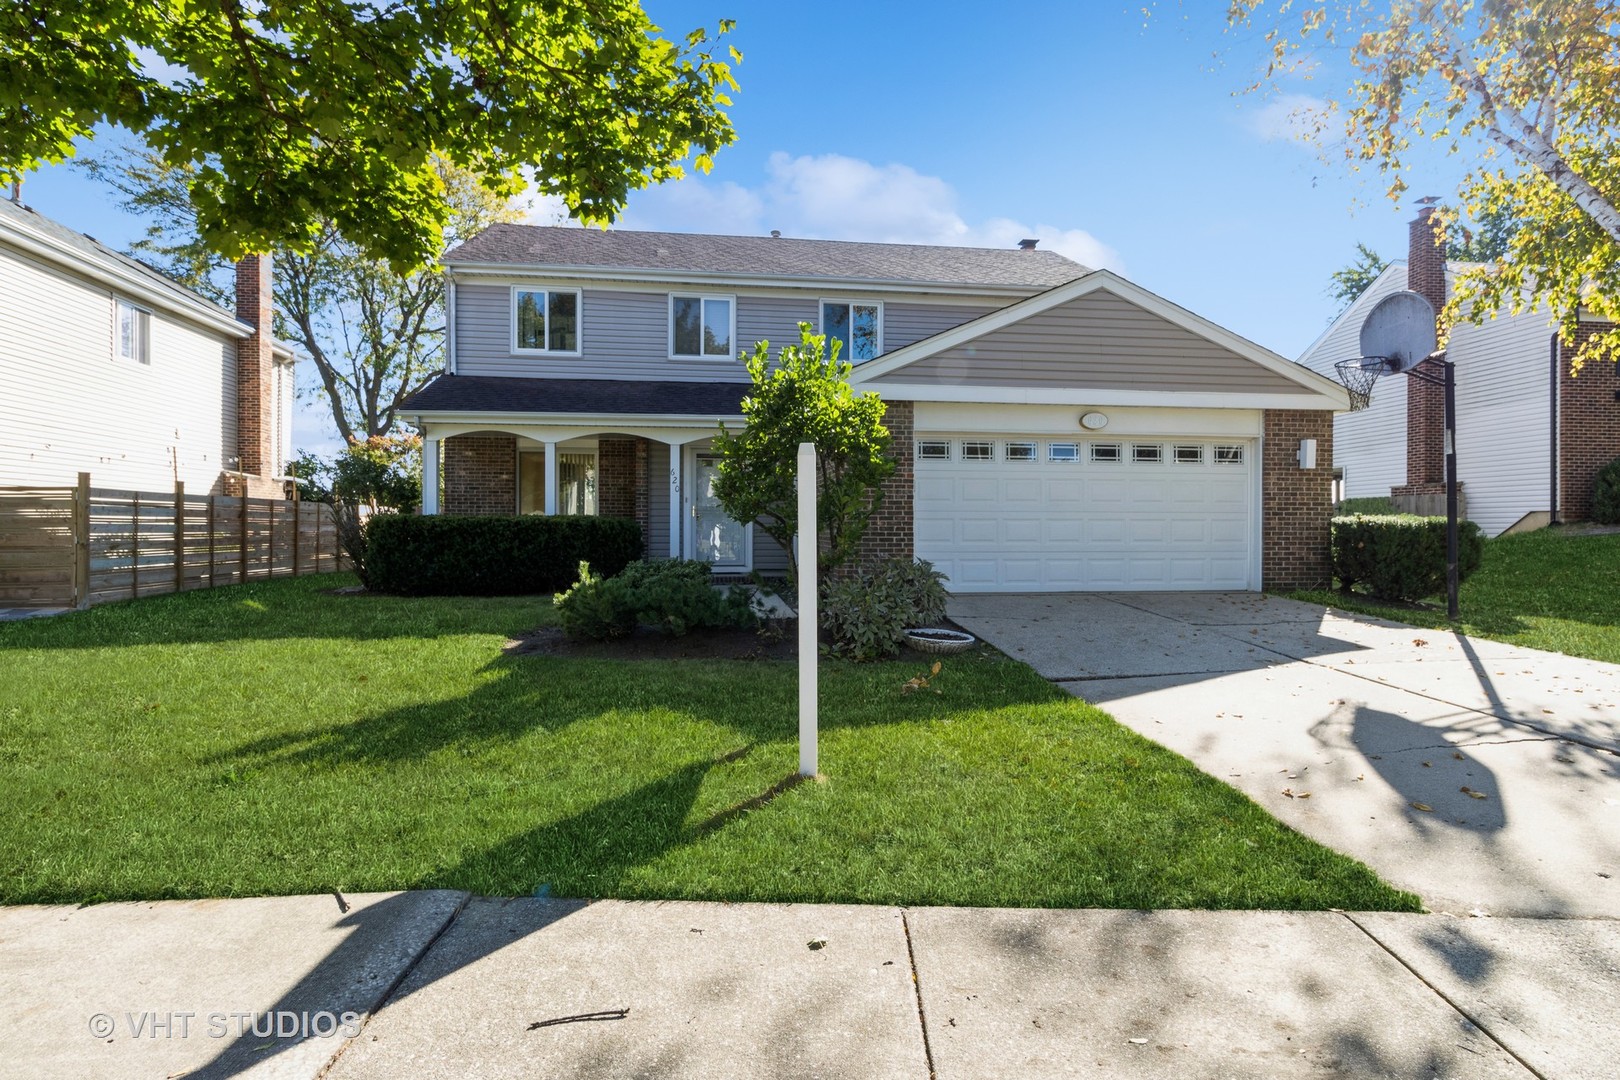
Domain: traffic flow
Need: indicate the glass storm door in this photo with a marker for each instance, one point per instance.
(716, 538)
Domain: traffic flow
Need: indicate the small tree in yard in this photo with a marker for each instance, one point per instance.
(806, 397)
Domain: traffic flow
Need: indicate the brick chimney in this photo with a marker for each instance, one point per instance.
(1425, 402)
(255, 394)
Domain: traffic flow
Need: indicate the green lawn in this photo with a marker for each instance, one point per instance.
(1547, 590)
(273, 739)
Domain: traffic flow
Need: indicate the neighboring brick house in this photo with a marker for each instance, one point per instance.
(111, 368)
(1056, 428)
(1530, 436)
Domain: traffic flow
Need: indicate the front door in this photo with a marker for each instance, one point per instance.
(716, 538)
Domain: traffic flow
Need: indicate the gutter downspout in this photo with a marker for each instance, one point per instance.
(1552, 413)
(450, 323)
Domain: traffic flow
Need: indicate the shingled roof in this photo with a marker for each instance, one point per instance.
(554, 247)
(499, 394)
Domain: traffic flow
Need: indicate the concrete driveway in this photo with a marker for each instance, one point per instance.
(1484, 777)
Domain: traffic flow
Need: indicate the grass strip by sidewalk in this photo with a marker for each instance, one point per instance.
(1545, 590)
(276, 739)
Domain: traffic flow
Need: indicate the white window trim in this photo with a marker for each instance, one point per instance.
(145, 359)
(821, 321)
(703, 297)
(579, 316)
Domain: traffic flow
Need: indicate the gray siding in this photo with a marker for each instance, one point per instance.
(1098, 341)
(626, 334)
(68, 405)
(774, 319)
(905, 324)
(658, 500)
(769, 557)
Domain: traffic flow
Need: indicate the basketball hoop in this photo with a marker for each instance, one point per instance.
(1358, 376)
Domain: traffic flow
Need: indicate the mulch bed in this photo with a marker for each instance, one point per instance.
(779, 640)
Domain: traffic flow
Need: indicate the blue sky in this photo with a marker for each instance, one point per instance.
(1113, 136)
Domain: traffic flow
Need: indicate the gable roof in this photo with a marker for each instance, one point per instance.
(573, 248)
(1109, 323)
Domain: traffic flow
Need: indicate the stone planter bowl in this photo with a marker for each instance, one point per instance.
(942, 642)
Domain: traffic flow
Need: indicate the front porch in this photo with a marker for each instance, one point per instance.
(661, 478)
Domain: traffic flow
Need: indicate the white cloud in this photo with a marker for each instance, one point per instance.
(833, 197)
(1296, 118)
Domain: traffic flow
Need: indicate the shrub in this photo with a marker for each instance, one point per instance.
(674, 595)
(869, 612)
(1401, 556)
(1606, 494)
(492, 556)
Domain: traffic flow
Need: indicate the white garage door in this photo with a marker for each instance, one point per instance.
(1029, 513)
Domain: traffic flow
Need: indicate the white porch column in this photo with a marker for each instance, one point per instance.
(551, 479)
(676, 454)
(430, 474)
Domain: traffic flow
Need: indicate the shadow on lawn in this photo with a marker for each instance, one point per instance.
(302, 607)
(529, 694)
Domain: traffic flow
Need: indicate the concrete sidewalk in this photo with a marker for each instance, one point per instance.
(450, 986)
(1482, 776)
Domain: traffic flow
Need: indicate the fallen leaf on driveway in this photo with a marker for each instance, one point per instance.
(1458, 756)
(1362, 776)
(1292, 794)
(1419, 642)
(1139, 1042)
(1425, 807)
(1426, 765)
(1471, 793)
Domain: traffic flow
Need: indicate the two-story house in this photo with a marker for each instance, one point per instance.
(111, 368)
(1056, 428)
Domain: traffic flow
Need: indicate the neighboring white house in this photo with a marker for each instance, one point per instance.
(111, 368)
(1055, 428)
(1529, 437)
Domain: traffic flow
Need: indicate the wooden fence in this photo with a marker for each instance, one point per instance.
(77, 546)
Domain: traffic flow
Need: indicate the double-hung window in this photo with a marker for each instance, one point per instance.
(701, 327)
(132, 333)
(859, 326)
(545, 320)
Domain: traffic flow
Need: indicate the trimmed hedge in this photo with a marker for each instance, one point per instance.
(1606, 494)
(1401, 556)
(442, 555)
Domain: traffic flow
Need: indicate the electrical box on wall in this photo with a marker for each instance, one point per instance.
(1307, 453)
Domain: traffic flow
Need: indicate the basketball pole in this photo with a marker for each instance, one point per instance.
(1447, 381)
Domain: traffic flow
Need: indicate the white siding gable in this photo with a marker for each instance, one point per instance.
(67, 404)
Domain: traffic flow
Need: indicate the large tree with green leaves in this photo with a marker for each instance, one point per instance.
(298, 118)
(374, 335)
(805, 397)
(1529, 90)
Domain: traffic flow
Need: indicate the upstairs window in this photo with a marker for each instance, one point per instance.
(133, 333)
(545, 320)
(858, 326)
(700, 326)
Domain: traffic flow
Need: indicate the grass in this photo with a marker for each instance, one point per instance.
(1548, 590)
(275, 739)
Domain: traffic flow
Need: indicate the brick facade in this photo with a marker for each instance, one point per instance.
(480, 474)
(621, 486)
(1588, 426)
(1425, 402)
(889, 535)
(1296, 504)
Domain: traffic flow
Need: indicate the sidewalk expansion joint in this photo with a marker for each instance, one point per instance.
(916, 984)
(399, 980)
(1441, 994)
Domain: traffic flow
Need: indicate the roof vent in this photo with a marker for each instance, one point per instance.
(1027, 245)
(776, 234)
